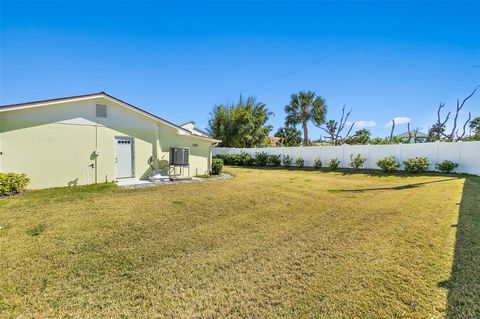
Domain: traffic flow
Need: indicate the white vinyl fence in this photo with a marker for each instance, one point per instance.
(466, 154)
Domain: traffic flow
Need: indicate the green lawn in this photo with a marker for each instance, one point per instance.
(268, 243)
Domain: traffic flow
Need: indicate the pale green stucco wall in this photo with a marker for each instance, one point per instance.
(54, 144)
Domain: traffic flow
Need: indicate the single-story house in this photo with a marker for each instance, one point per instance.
(93, 138)
(416, 137)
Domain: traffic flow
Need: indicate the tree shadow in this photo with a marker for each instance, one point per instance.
(394, 188)
(349, 171)
(463, 299)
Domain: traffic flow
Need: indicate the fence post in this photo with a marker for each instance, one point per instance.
(460, 156)
(400, 145)
(342, 164)
(319, 154)
(368, 155)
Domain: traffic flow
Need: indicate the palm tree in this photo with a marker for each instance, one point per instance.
(305, 107)
(289, 136)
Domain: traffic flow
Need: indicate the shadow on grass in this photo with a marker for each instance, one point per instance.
(395, 188)
(464, 283)
(350, 171)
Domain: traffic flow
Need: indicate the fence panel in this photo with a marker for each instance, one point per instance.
(469, 158)
(466, 154)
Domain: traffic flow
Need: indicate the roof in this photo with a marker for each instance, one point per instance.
(189, 122)
(191, 127)
(419, 134)
(9, 107)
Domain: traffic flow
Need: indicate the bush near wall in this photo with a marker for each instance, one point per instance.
(299, 162)
(446, 166)
(416, 164)
(261, 159)
(217, 166)
(317, 164)
(287, 161)
(388, 164)
(274, 160)
(334, 164)
(357, 161)
(11, 183)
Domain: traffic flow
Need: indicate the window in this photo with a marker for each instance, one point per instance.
(195, 145)
(100, 110)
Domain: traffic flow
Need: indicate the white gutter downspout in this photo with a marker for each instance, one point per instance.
(210, 158)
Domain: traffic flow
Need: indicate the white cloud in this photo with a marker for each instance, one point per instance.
(399, 121)
(361, 124)
(364, 124)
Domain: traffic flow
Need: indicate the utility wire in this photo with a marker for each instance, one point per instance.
(317, 61)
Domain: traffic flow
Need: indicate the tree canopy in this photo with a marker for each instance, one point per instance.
(305, 107)
(240, 125)
(289, 136)
(359, 137)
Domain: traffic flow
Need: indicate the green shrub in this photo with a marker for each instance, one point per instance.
(334, 164)
(357, 161)
(261, 159)
(245, 159)
(416, 165)
(388, 164)
(446, 166)
(287, 161)
(217, 166)
(274, 160)
(228, 159)
(11, 183)
(317, 163)
(299, 162)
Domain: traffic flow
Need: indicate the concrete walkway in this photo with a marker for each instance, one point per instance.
(137, 183)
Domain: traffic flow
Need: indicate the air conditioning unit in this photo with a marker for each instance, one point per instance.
(179, 156)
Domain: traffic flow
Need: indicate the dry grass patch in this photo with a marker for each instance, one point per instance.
(266, 244)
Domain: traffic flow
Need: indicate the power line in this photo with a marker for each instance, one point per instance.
(317, 61)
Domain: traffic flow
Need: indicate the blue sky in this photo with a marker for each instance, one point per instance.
(383, 59)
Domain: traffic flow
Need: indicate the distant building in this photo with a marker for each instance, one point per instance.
(273, 141)
(419, 137)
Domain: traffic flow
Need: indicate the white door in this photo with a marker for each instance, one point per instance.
(124, 157)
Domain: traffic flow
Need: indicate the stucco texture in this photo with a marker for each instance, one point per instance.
(54, 144)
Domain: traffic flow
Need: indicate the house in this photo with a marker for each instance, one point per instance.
(273, 141)
(190, 126)
(415, 137)
(93, 138)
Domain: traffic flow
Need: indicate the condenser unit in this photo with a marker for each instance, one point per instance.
(179, 156)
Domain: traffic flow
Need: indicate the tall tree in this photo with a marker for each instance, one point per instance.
(475, 128)
(305, 107)
(240, 125)
(475, 124)
(359, 137)
(289, 136)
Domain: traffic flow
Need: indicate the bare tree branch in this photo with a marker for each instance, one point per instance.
(459, 108)
(438, 114)
(343, 122)
(465, 126)
(334, 128)
(393, 128)
(409, 133)
(349, 130)
(415, 133)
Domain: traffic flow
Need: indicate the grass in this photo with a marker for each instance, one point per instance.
(268, 243)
